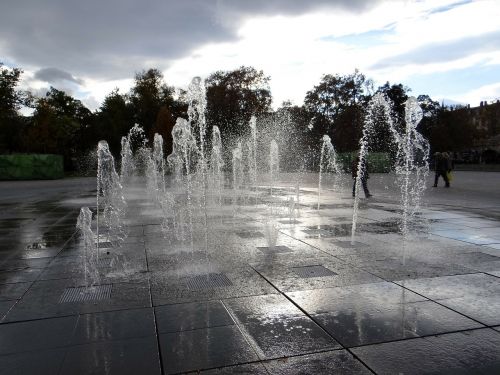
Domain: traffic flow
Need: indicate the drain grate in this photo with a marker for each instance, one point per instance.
(349, 244)
(105, 245)
(250, 234)
(313, 271)
(275, 249)
(209, 281)
(105, 262)
(86, 293)
(287, 221)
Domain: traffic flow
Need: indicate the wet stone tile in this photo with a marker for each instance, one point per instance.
(13, 291)
(396, 269)
(457, 286)
(204, 349)
(388, 323)
(483, 308)
(276, 338)
(251, 368)
(249, 234)
(43, 300)
(470, 352)
(281, 274)
(353, 297)
(189, 316)
(45, 362)
(256, 309)
(5, 306)
(339, 362)
(36, 334)
(123, 357)
(16, 264)
(19, 276)
(114, 325)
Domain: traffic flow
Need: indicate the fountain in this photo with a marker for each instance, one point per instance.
(109, 197)
(196, 185)
(274, 163)
(411, 164)
(90, 254)
(327, 163)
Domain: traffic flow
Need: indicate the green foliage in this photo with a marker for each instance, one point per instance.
(148, 95)
(11, 100)
(233, 97)
(378, 162)
(335, 106)
(29, 167)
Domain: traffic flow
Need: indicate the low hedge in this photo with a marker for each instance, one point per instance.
(31, 167)
(378, 162)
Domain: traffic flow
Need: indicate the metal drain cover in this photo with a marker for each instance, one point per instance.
(86, 293)
(104, 245)
(275, 249)
(209, 281)
(249, 234)
(313, 271)
(286, 221)
(349, 244)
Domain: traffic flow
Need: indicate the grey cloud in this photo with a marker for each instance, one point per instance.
(111, 39)
(442, 52)
(54, 75)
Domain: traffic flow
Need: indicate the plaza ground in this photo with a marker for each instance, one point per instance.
(316, 303)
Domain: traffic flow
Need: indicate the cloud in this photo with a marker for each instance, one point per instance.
(110, 39)
(444, 51)
(54, 76)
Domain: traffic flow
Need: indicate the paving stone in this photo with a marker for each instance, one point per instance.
(204, 349)
(470, 352)
(36, 334)
(13, 291)
(40, 362)
(114, 325)
(19, 276)
(189, 316)
(5, 306)
(437, 288)
(42, 300)
(251, 368)
(282, 337)
(333, 362)
(256, 309)
(122, 357)
(367, 325)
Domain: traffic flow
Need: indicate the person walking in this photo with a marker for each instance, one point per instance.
(442, 166)
(363, 173)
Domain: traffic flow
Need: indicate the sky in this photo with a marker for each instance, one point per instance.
(448, 49)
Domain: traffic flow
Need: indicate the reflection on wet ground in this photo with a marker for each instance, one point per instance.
(229, 302)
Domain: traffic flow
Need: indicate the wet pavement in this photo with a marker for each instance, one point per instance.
(316, 303)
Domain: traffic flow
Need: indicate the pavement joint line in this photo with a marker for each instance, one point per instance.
(248, 338)
(315, 322)
(157, 334)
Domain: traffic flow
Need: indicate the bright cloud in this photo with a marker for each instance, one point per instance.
(295, 43)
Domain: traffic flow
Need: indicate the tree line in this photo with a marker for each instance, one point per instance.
(61, 124)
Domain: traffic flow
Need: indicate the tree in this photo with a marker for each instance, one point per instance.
(11, 100)
(336, 108)
(148, 95)
(398, 95)
(113, 120)
(233, 97)
(59, 121)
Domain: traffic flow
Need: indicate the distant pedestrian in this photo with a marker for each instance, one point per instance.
(442, 166)
(363, 174)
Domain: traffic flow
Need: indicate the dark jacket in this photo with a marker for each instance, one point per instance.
(364, 169)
